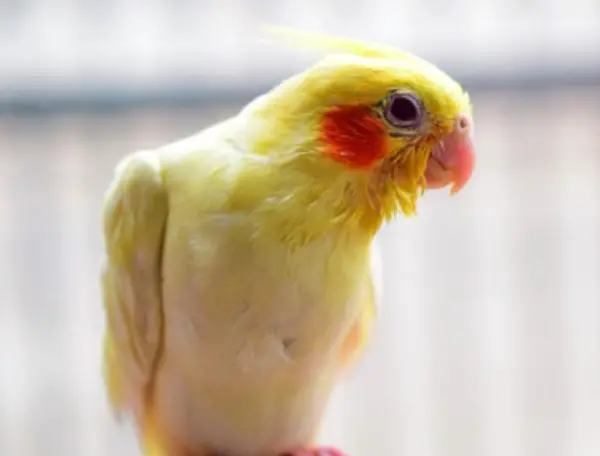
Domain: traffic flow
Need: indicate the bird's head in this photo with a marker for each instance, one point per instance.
(384, 124)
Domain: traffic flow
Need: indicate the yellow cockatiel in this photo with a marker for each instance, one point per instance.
(240, 274)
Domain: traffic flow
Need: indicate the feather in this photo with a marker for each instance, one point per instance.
(329, 43)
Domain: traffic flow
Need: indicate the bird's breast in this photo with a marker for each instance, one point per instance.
(257, 306)
(253, 331)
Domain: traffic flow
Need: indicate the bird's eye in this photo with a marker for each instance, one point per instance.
(404, 110)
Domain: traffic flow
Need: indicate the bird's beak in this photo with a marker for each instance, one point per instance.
(452, 161)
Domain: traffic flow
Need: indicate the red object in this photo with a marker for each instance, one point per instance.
(354, 137)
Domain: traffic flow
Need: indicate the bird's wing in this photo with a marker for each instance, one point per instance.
(134, 217)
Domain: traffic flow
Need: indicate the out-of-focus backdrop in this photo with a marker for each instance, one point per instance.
(488, 340)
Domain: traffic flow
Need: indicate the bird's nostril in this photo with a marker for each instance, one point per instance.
(463, 123)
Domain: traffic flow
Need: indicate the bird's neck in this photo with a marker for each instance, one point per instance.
(301, 207)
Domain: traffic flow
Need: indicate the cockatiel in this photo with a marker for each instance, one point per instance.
(241, 276)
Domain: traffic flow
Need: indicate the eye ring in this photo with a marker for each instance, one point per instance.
(404, 110)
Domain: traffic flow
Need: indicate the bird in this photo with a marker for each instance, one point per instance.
(241, 276)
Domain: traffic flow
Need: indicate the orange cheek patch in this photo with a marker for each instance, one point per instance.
(353, 136)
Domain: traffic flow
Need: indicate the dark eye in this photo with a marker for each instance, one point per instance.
(404, 110)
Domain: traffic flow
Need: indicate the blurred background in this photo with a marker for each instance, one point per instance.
(488, 340)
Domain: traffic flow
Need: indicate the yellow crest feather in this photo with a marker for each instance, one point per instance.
(330, 43)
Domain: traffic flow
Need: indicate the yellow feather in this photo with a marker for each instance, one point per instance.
(329, 43)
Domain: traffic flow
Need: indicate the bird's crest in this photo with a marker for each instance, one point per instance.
(330, 43)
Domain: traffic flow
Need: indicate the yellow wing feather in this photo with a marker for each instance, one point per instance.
(135, 215)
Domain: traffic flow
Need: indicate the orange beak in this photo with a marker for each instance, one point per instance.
(452, 161)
